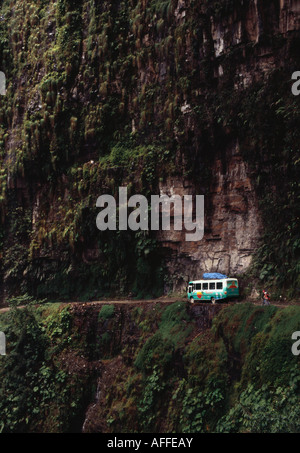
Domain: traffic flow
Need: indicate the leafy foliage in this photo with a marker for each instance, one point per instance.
(157, 372)
(36, 392)
(265, 410)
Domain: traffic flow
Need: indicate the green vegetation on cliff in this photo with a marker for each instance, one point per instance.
(107, 94)
(151, 368)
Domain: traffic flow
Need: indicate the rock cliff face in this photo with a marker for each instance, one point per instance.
(179, 96)
(232, 223)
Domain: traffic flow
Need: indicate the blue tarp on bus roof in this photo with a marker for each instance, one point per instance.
(214, 276)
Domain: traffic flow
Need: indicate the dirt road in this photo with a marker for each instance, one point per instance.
(164, 299)
(168, 300)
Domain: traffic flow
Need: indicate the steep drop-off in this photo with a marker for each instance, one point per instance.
(174, 96)
(151, 367)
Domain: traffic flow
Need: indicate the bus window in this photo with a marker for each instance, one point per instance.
(198, 286)
(190, 289)
(205, 286)
(212, 285)
(219, 285)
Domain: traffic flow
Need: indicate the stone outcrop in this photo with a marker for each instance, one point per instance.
(232, 223)
(232, 220)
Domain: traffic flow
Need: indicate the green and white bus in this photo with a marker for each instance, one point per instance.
(212, 290)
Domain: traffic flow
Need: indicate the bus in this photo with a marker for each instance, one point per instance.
(213, 290)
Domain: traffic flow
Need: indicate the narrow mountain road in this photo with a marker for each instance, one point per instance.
(167, 300)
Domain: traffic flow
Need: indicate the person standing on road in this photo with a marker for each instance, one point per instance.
(265, 298)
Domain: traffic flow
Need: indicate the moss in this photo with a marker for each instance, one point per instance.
(240, 323)
(106, 312)
(269, 358)
(161, 348)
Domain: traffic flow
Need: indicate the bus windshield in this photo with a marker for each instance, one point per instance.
(232, 284)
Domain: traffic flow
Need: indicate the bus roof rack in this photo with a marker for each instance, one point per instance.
(214, 276)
